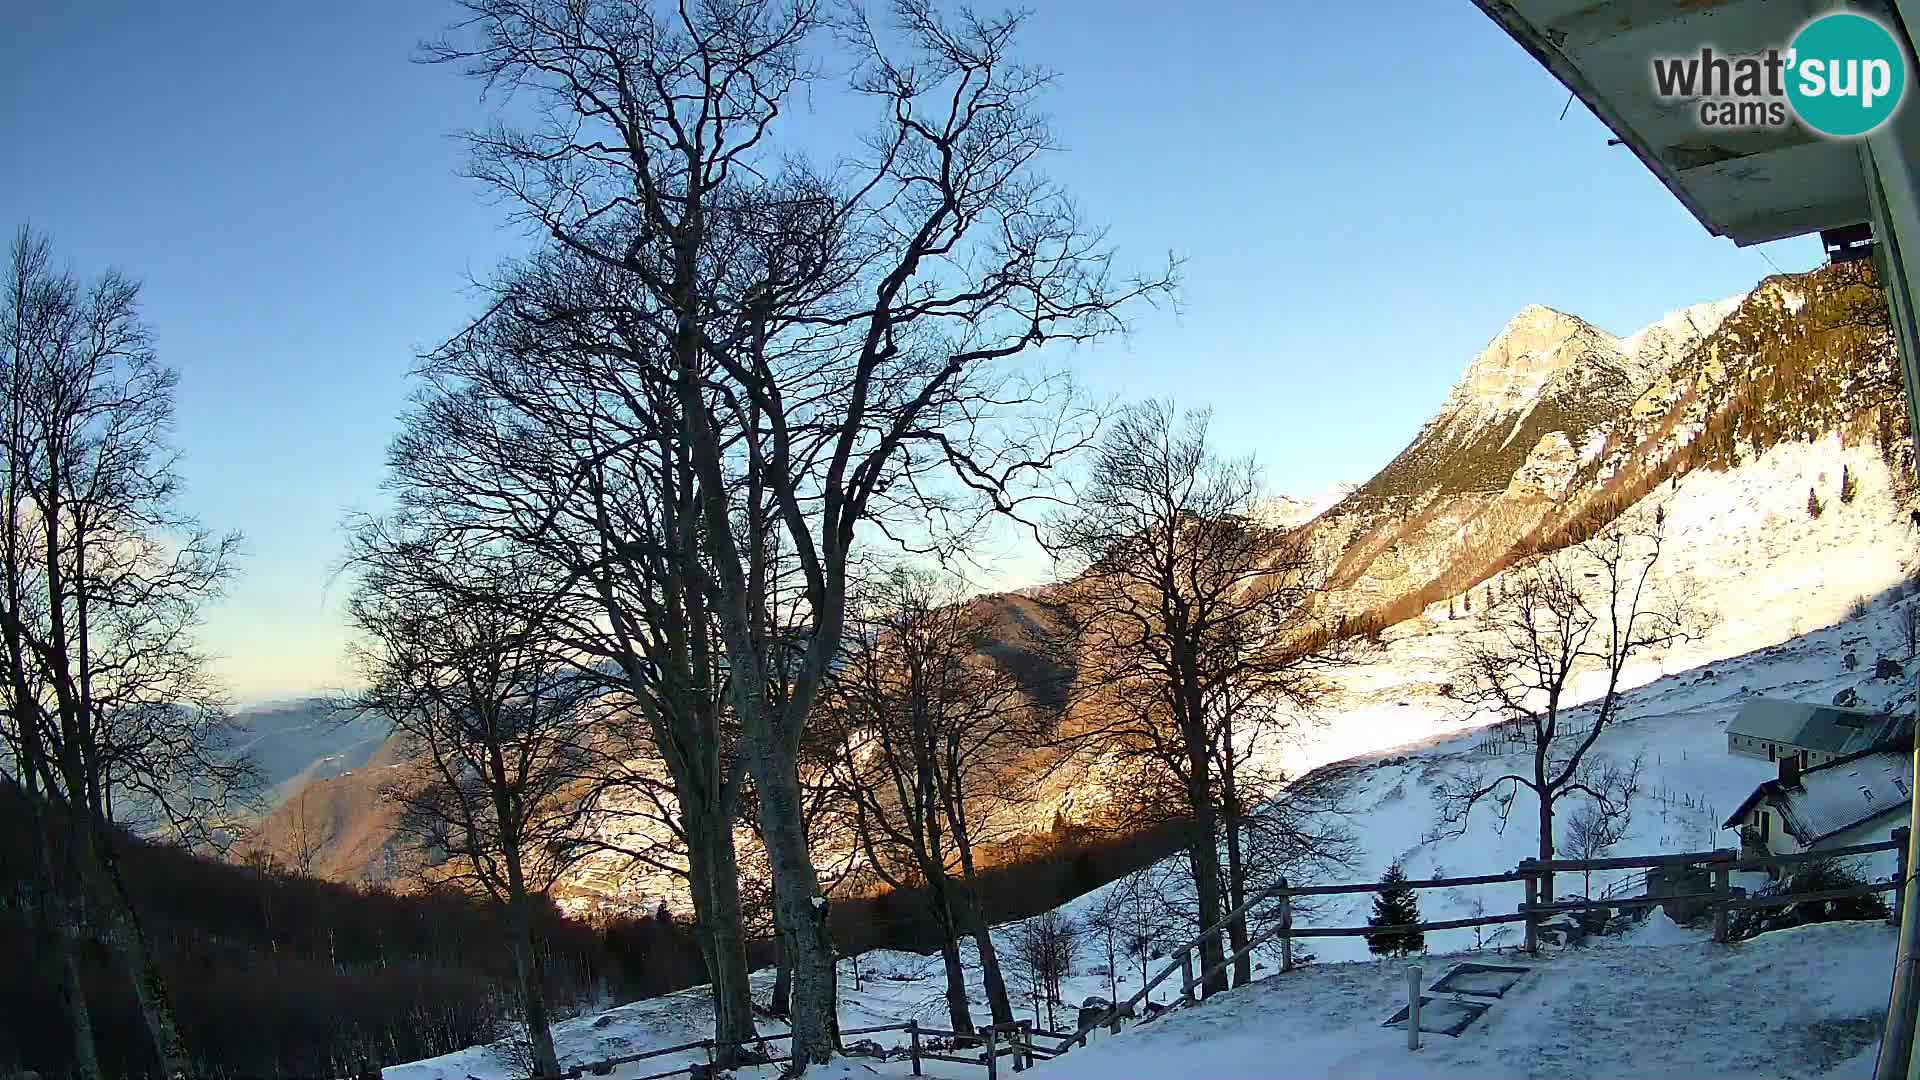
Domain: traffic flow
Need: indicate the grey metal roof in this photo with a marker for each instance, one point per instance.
(1829, 729)
(1838, 796)
(1751, 186)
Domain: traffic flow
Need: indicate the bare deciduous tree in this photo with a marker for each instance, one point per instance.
(309, 832)
(1045, 946)
(1198, 631)
(831, 338)
(1587, 610)
(931, 730)
(544, 429)
(1596, 826)
(110, 715)
(461, 663)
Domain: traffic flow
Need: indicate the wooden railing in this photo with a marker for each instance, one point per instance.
(1018, 1040)
(1721, 898)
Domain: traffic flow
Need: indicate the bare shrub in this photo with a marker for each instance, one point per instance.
(1044, 948)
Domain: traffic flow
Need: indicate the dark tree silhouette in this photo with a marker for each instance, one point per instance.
(463, 665)
(833, 340)
(1593, 607)
(1397, 905)
(1192, 619)
(109, 714)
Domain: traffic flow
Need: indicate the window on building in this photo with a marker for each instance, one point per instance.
(1770, 752)
(1867, 794)
(1766, 824)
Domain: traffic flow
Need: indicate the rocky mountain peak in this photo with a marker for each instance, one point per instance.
(1540, 344)
(1536, 344)
(1651, 350)
(1292, 511)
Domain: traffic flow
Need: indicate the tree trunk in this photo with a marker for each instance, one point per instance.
(940, 890)
(73, 1001)
(769, 744)
(1204, 853)
(941, 902)
(1546, 845)
(130, 939)
(1203, 849)
(782, 1003)
(958, 1011)
(975, 922)
(530, 968)
(61, 925)
(799, 910)
(1236, 896)
(57, 910)
(715, 881)
(1543, 791)
(528, 964)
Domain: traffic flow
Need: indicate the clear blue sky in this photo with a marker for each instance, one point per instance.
(1363, 195)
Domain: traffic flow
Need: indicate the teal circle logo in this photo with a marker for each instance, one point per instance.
(1846, 74)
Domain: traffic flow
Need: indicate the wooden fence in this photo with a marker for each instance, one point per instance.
(1721, 898)
(1019, 1041)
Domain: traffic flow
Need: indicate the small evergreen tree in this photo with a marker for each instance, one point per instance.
(1813, 504)
(1396, 905)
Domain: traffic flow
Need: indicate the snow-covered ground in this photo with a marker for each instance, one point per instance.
(1797, 1003)
(1660, 1002)
(1657, 1001)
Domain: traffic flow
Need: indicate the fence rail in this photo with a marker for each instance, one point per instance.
(1722, 899)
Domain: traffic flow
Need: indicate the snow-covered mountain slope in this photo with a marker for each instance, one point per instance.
(1779, 585)
(1557, 425)
(1736, 410)
(1786, 589)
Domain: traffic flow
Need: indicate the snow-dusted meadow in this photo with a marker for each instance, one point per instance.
(1659, 1001)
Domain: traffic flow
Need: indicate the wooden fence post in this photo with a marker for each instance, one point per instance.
(1413, 1006)
(913, 1037)
(1533, 898)
(1026, 1040)
(1722, 891)
(1186, 975)
(1900, 837)
(1286, 927)
(993, 1052)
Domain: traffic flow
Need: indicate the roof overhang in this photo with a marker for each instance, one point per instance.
(1750, 186)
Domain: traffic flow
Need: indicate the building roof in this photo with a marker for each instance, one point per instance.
(1750, 185)
(1829, 729)
(1836, 796)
